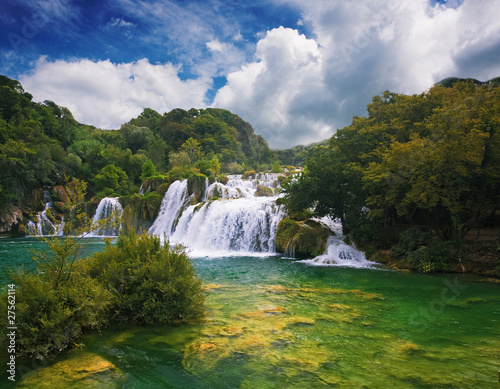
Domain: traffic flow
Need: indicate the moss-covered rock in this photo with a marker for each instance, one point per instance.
(86, 369)
(264, 191)
(58, 194)
(302, 239)
(196, 186)
(140, 212)
(154, 183)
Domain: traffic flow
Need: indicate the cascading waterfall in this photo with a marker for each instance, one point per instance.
(171, 206)
(243, 226)
(111, 210)
(237, 187)
(238, 223)
(339, 253)
(44, 226)
(233, 221)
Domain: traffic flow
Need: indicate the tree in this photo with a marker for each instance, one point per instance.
(110, 180)
(276, 167)
(148, 170)
(193, 150)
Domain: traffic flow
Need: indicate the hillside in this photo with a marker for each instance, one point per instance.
(42, 145)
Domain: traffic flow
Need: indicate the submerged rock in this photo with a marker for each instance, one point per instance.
(85, 370)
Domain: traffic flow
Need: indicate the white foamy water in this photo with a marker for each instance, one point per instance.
(109, 208)
(338, 253)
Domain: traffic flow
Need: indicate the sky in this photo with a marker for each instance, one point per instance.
(296, 70)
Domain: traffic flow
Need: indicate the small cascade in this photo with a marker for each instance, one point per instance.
(44, 226)
(237, 187)
(111, 210)
(338, 253)
(171, 206)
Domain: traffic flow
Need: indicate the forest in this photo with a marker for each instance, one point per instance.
(415, 175)
(41, 144)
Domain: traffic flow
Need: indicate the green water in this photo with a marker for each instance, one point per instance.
(276, 323)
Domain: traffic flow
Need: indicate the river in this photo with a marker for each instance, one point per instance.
(274, 322)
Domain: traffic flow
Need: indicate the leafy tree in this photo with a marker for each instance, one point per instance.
(276, 167)
(148, 170)
(110, 180)
(137, 138)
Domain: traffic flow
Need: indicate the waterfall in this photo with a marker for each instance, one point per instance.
(111, 210)
(339, 253)
(237, 223)
(171, 206)
(242, 226)
(45, 225)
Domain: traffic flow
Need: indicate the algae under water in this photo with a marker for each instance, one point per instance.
(277, 323)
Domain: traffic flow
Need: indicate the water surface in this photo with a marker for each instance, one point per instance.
(278, 323)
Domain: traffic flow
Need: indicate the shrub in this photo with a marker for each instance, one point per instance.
(409, 241)
(137, 281)
(153, 283)
(436, 257)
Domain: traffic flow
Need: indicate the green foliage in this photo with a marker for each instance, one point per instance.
(410, 240)
(111, 180)
(425, 159)
(42, 143)
(137, 281)
(438, 256)
(55, 316)
(148, 170)
(276, 167)
(153, 283)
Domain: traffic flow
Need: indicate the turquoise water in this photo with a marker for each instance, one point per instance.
(277, 323)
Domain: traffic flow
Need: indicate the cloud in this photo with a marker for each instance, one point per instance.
(293, 88)
(299, 90)
(107, 95)
(287, 65)
(118, 23)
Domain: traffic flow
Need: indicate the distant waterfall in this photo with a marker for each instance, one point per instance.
(44, 226)
(236, 223)
(238, 187)
(111, 210)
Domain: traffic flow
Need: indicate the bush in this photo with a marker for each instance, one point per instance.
(50, 317)
(436, 257)
(153, 283)
(409, 241)
(137, 281)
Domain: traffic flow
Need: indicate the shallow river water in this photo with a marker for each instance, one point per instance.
(274, 322)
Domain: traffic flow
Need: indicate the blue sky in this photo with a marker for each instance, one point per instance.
(296, 70)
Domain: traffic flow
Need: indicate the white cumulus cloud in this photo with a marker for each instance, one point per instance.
(107, 95)
(300, 90)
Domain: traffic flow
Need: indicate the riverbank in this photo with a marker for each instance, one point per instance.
(479, 257)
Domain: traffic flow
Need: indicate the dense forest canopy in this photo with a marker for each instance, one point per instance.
(41, 144)
(429, 161)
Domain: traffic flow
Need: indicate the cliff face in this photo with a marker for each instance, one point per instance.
(10, 219)
(139, 212)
